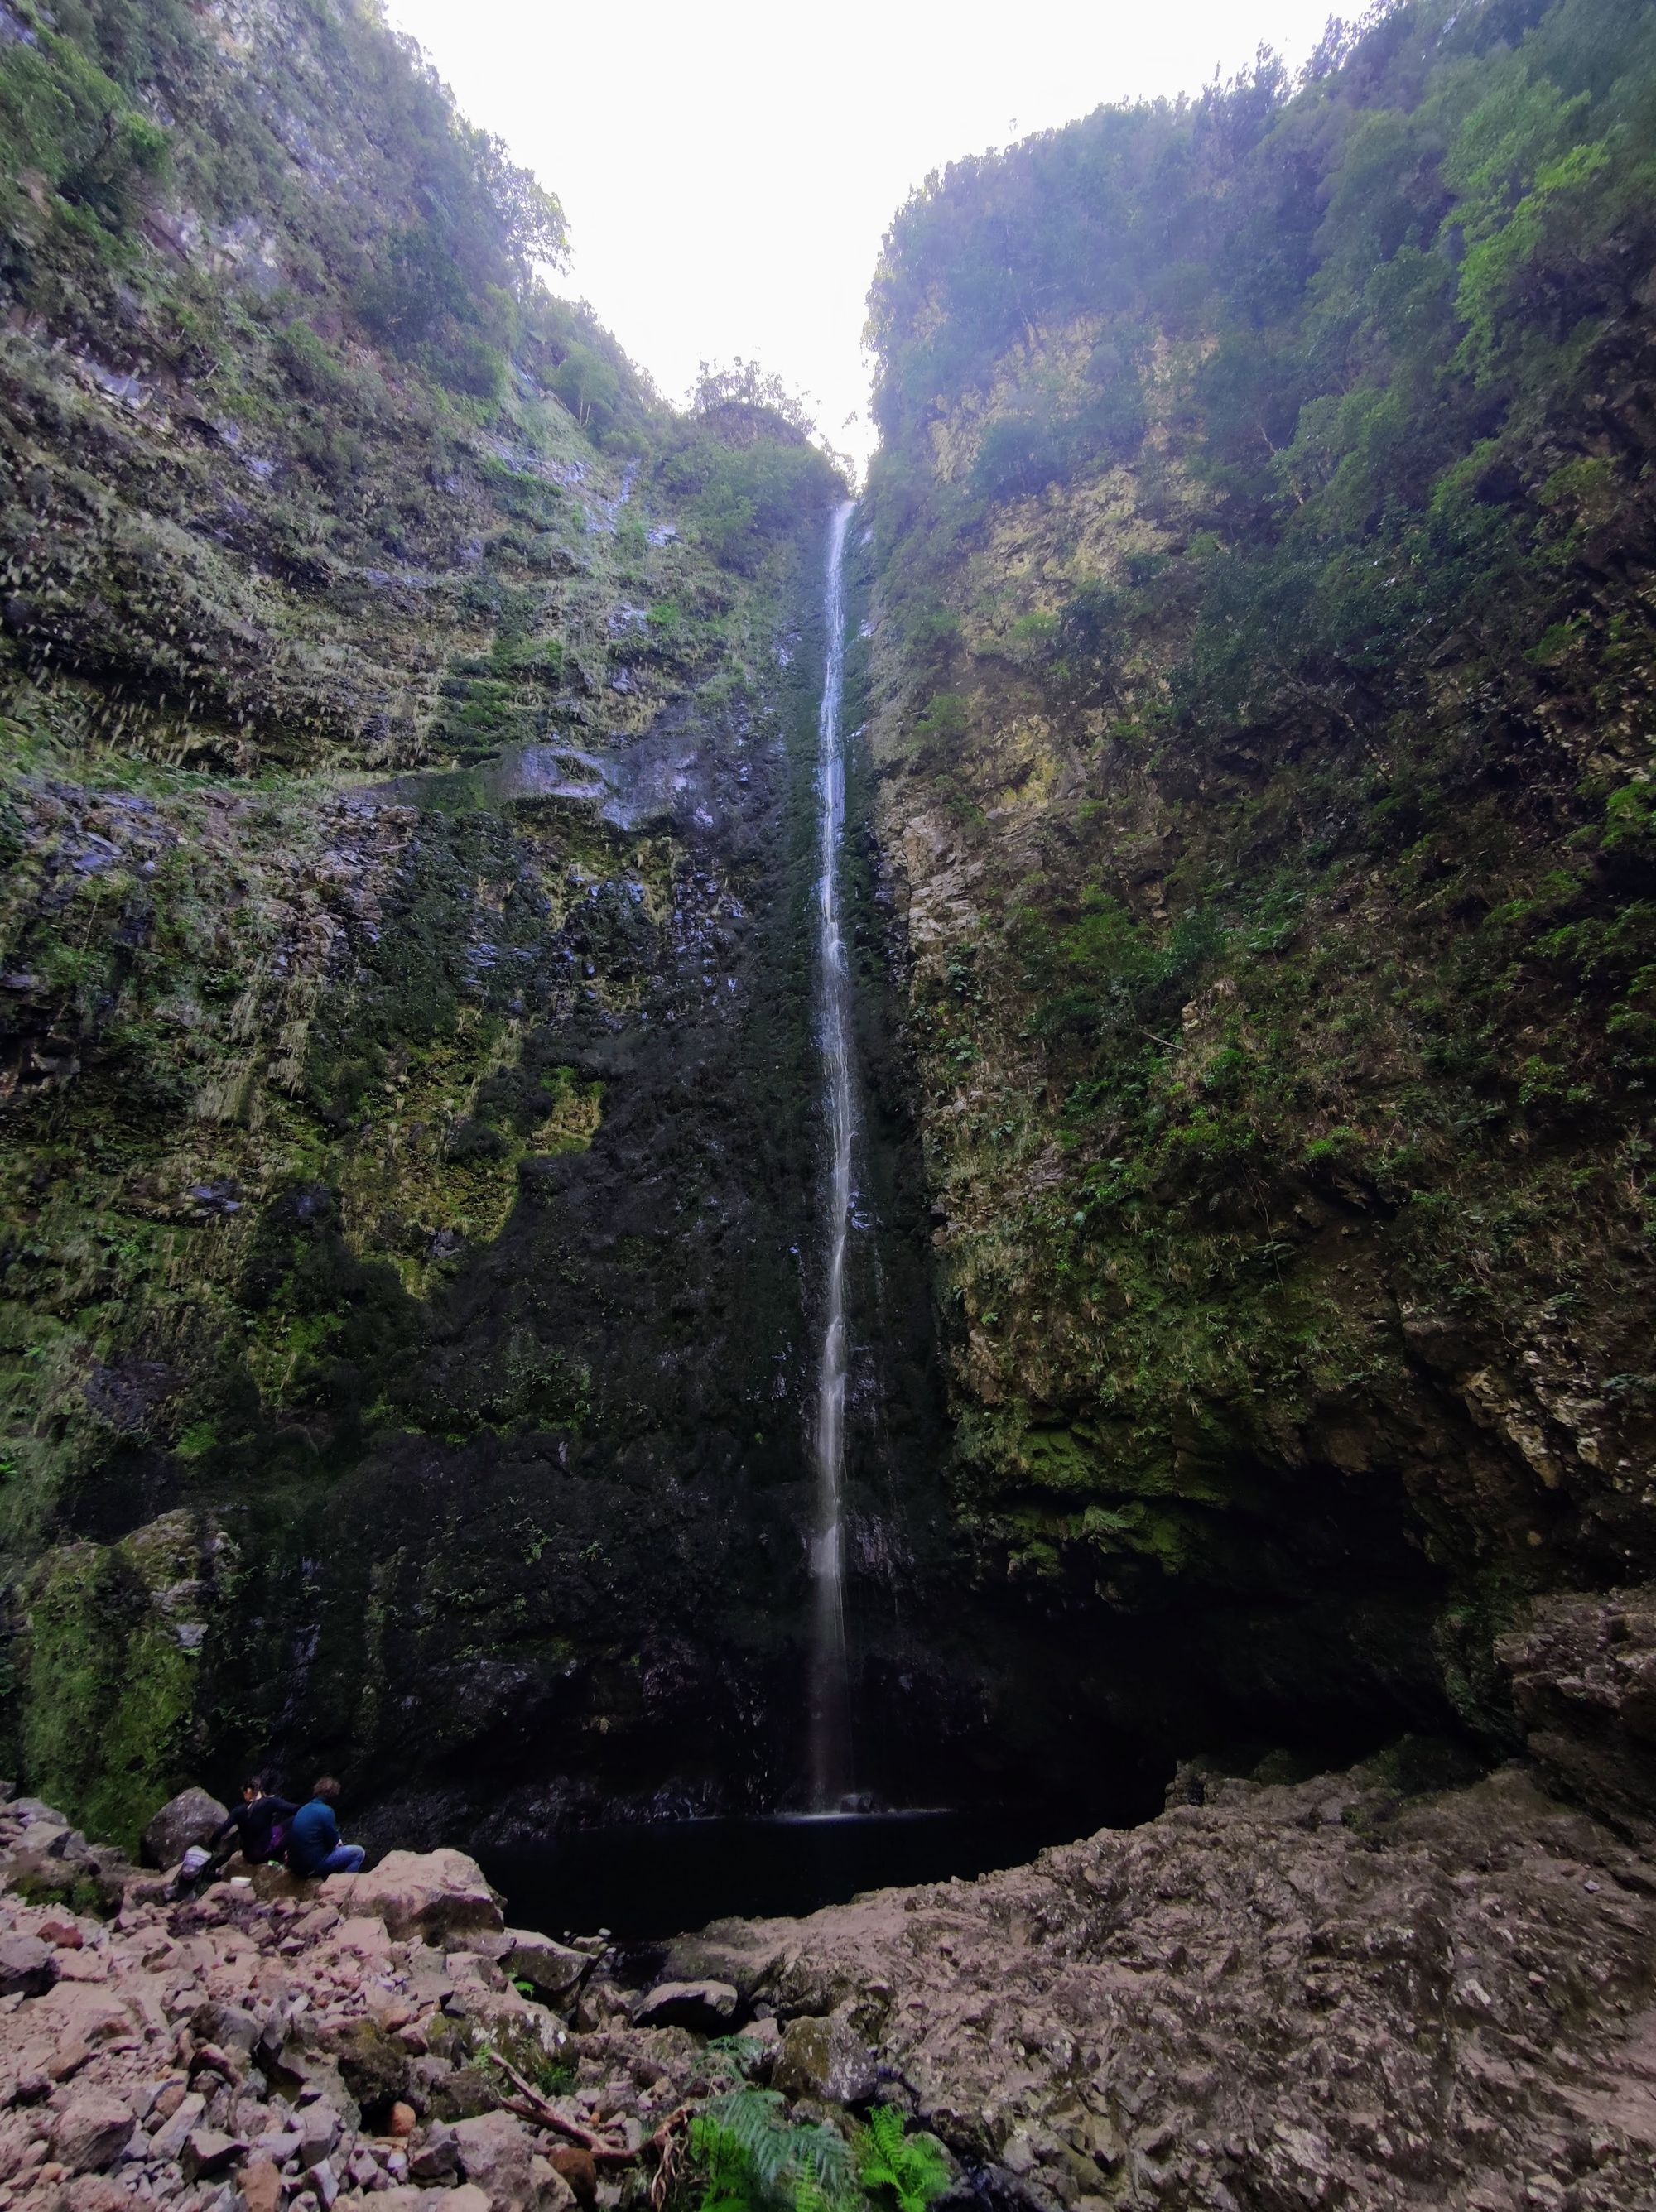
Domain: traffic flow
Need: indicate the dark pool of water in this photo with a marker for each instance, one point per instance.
(657, 1879)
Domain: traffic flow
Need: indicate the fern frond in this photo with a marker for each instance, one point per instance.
(922, 2168)
(822, 2152)
(885, 2127)
(914, 2168)
(807, 2194)
(750, 2150)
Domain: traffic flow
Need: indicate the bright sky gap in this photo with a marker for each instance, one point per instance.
(729, 170)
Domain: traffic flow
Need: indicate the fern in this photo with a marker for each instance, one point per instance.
(755, 2161)
(914, 2168)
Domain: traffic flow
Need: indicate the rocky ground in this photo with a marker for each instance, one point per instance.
(1326, 1994)
(273, 2041)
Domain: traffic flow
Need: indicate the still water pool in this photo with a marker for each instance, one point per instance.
(654, 1880)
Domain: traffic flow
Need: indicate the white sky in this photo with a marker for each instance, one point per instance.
(729, 167)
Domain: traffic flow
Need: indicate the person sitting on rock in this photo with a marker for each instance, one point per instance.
(257, 1828)
(314, 1844)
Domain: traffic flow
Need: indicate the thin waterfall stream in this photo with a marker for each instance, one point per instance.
(830, 1682)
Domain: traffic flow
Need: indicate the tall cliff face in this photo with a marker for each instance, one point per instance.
(410, 1252)
(1260, 715)
(408, 1085)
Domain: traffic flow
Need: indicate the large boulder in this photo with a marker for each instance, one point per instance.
(740, 1952)
(190, 1818)
(28, 1968)
(823, 2056)
(261, 2185)
(1583, 1669)
(709, 2008)
(556, 1972)
(319, 2126)
(578, 2169)
(496, 2153)
(433, 1894)
(91, 2131)
(207, 2152)
(436, 2156)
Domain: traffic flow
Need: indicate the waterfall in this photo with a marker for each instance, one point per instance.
(831, 1714)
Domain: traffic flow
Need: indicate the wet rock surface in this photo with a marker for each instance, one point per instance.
(1583, 1672)
(1281, 1996)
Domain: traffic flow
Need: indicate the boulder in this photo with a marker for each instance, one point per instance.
(503, 2013)
(579, 2168)
(229, 2027)
(469, 1970)
(167, 2141)
(52, 1842)
(825, 2057)
(91, 2131)
(1583, 1669)
(27, 1969)
(432, 1894)
(437, 2157)
(319, 2127)
(554, 1971)
(93, 2192)
(708, 2008)
(552, 2191)
(261, 2185)
(495, 2151)
(740, 1952)
(190, 1818)
(207, 2152)
(86, 2012)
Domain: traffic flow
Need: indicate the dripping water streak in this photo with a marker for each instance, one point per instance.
(830, 1726)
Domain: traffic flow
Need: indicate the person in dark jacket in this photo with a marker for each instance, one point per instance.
(254, 1827)
(314, 1844)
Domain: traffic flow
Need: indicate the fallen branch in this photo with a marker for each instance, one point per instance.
(532, 2105)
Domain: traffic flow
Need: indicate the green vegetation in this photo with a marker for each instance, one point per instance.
(751, 2155)
(911, 2170)
(747, 464)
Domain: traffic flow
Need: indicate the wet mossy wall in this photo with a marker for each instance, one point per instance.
(408, 1077)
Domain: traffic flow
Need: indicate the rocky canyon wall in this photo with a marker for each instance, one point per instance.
(1258, 727)
(408, 1179)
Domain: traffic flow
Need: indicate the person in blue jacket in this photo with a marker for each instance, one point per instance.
(314, 1844)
